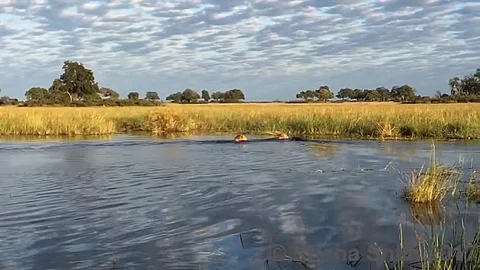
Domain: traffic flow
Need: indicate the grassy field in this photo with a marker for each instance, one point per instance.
(357, 120)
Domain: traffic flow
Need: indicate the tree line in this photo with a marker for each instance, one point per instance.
(191, 96)
(397, 93)
(76, 86)
(461, 90)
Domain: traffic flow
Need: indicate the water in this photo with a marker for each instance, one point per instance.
(143, 203)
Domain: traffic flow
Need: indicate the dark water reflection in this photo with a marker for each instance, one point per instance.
(147, 203)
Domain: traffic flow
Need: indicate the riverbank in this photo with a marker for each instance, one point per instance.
(364, 120)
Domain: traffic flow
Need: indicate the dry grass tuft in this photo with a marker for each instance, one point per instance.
(168, 121)
(432, 184)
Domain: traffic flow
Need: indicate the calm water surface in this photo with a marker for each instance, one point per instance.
(143, 203)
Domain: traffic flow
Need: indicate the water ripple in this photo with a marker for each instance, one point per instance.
(185, 204)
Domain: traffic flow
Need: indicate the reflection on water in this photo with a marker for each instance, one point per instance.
(323, 150)
(402, 153)
(188, 204)
(428, 213)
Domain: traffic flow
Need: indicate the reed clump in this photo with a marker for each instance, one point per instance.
(350, 120)
(473, 186)
(432, 184)
(443, 248)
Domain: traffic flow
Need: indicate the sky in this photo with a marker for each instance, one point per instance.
(271, 49)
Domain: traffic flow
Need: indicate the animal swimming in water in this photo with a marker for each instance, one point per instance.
(282, 136)
(279, 135)
(240, 138)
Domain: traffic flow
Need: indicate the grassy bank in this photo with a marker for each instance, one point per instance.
(365, 120)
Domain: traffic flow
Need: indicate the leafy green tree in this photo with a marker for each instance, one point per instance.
(345, 93)
(77, 81)
(469, 85)
(359, 94)
(324, 93)
(233, 95)
(404, 92)
(190, 96)
(306, 95)
(37, 93)
(205, 95)
(152, 95)
(109, 93)
(58, 97)
(218, 95)
(477, 73)
(133, 96)
(384, 93)
(57, 86)
(92, 98)
(455, 86)
(175, 97)
(373, 95)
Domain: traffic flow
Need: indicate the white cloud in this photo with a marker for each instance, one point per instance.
(264, 47)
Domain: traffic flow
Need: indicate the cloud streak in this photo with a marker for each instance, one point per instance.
(269, 48)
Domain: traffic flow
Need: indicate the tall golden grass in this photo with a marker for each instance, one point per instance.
(365, 120)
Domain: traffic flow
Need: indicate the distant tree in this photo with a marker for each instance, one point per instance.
(5, 99)
(324, 93)
(37, 93)
(306, 95)
(133, 95)
(189, 96)
(109, 93)
(373, 95)
(455, 86)
(404, 92)
(384, 93)
(233, 95)
(152, 95)
(359, 94)
(438, 94)
(58, 97)
(345, 93)
(476, 75)
(76, 80)
(92, 98)
(218, 95)
(175, 97)
(57, 86)
(469, 85)
(205, 95)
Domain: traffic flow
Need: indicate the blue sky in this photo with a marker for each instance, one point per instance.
(271, 49)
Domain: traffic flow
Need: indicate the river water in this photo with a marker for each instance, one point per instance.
(137, 202)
